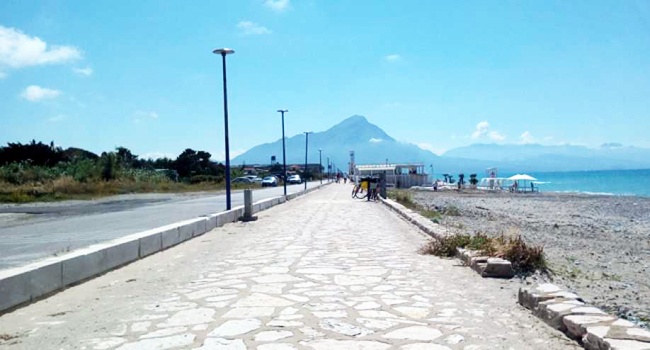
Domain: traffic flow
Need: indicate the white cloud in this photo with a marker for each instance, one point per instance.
(429, 147)
(252, 28)
(483, 129)
(393, 58)
(18, 50)
(496, 136)
(35, 93)
(57, 118)
(526, 137)
(277, 5)
(375, 140)
(142, 116)
(83, 71)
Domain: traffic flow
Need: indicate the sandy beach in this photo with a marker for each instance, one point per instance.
(596, 246)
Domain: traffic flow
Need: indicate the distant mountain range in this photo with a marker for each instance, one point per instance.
(373, 146)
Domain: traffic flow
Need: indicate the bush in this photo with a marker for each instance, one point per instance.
(206, 178)
(524, 258)
(446, 247)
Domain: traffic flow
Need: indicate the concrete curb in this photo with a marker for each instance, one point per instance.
(484, 266)
(22, 285)
(595, 329)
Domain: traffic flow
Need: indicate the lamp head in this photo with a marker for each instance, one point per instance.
(223, 51)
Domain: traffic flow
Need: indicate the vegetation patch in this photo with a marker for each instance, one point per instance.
(524, 258)
(40, 172)
(405, 198)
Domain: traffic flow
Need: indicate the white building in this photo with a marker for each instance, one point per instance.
(397, 175)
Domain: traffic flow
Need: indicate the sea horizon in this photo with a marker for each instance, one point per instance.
(631, 182)
(634, 182)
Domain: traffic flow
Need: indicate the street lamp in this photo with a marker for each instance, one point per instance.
(284, 153)
(328, 169)
(306, 143)
(320, 164)
(223, 52)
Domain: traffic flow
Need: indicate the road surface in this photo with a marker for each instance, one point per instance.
(34, 231)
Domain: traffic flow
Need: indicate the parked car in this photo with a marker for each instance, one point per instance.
(254, 178)
(294, 179)
(241, 180)
(271, 181)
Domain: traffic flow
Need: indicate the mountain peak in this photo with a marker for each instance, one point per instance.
(353, 120)
(359, 128)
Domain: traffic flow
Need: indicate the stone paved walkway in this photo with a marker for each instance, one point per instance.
(321, 272)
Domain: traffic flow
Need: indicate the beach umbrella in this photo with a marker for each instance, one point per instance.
(524, 177)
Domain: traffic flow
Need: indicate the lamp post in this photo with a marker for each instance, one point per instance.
(223, 52)
(320, 164)
(328, 169)
(284, 153)
(306, 143)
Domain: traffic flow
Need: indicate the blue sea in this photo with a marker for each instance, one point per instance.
(600, 182)
(608, 182)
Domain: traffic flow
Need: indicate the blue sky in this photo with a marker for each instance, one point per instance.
(141, 74)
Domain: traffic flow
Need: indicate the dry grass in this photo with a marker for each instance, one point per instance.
(405, 198)
(524, 258)
(66, 187)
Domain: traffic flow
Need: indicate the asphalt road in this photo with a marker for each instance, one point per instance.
(34, 231)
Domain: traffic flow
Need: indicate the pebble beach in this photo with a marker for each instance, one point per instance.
(596, 246)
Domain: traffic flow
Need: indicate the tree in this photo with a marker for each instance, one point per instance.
(35, 153)
(109, 166)
(191, 162)
(125, 158)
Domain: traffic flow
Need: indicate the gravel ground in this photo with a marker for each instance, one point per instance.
(596, 246)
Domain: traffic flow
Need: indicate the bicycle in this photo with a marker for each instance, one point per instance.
(357, 192)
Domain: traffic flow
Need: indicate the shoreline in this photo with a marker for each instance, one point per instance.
(596, 245)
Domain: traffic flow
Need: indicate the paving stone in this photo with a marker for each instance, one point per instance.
(223, 344)
(272, 335)
(345, 328)
(177, 341)
(412, 312)
(424, 346)
(164, 332)
(258, 299)
(454, 339)
(414, 333)
(236, 327)
(249, 312)
(278, 346)
(189, 317)
(331, 344)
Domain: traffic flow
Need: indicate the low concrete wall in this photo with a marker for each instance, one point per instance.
(594, 328)
(22, 285)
